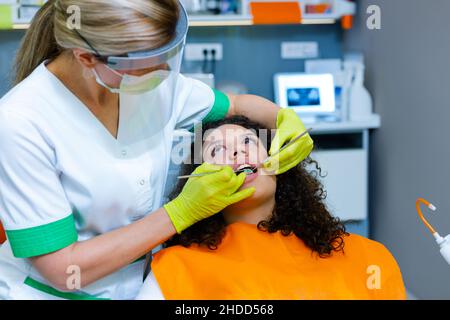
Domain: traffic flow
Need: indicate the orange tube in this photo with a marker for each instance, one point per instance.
(419, 211)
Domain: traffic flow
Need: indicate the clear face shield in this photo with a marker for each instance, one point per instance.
(146, 81)
(142, 72)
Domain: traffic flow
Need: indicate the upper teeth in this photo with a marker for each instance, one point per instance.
(244, 166)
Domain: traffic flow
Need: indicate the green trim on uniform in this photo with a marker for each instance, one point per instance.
(32, 242)
(219, 110)
(64, 295)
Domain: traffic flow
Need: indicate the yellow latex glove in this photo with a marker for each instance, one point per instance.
(289, 126)
(205, 196)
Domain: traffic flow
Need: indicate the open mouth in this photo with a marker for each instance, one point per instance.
(248, 169)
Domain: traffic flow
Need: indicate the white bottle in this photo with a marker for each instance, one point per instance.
(360, 101)
(444, 245)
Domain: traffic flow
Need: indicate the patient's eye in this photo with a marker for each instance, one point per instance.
(248, 140)
(216, 149)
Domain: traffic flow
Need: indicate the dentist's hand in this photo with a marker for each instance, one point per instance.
(289, 126)
(205, 196)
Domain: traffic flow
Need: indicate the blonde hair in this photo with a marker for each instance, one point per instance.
(112, 27)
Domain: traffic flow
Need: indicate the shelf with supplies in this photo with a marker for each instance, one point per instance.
(244, 20)
(264, 12)
(214, 21)
(17, 14)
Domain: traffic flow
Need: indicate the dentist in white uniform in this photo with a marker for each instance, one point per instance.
(85, 141)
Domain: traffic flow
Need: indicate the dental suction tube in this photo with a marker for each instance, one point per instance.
(443, 243)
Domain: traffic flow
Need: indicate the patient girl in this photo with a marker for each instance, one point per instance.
(282, 243)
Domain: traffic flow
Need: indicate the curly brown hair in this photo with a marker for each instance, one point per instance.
(299, 206)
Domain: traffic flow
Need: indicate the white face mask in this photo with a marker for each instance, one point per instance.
(136, 85)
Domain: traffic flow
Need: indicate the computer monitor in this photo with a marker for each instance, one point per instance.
(312, 96)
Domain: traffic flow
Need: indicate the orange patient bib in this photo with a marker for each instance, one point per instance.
(253, 264)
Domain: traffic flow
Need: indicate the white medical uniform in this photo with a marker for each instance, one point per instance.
(65, 178)
(151, 289)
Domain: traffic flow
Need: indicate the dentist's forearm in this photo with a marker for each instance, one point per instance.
(106, 253)
(255, 108)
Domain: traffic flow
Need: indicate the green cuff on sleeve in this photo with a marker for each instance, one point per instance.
(32, 242)
(219, 110)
